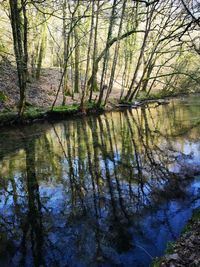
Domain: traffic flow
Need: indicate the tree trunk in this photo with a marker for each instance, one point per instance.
(110, 86)
(19, 25)
(106, 55)
(93, 86)
(88, 60)
(76, 65)
(41, 51)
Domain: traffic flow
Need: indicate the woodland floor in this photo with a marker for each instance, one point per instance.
(40, 93)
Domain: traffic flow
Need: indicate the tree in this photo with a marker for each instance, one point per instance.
(19, 24)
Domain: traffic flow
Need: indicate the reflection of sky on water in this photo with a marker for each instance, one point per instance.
(103, 193)
(189, 156)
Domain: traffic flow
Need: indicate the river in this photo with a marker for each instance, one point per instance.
(107, 190)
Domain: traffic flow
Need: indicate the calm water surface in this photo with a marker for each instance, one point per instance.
(105, 191)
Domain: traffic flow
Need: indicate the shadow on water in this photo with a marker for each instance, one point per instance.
(110, 190)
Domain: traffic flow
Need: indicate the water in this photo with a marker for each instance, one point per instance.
(110, 190)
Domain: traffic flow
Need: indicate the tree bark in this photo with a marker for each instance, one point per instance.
(19, 25)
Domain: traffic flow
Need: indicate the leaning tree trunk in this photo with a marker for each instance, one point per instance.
(106, 55)
(112, 76)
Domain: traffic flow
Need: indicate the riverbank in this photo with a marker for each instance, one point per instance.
(35, 114)
(185, 251)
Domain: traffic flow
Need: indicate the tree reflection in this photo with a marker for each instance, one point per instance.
(81, 193)
(33, 224)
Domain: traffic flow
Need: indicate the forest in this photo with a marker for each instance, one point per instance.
(99, 133)
(55, 53)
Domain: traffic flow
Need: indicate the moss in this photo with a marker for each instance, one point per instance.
(93, 105)
(33, 113)
(65, 109)
(74, 108)
(90, 105)
(3, 97)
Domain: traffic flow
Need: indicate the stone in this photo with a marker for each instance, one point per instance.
(173, 257)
